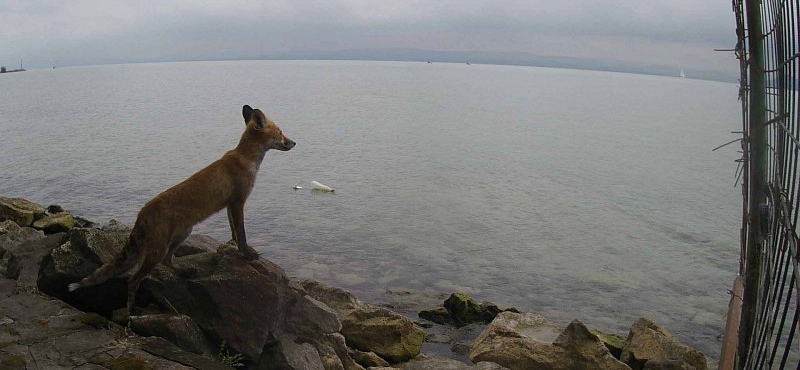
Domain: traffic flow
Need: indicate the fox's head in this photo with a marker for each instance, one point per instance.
(267, 131)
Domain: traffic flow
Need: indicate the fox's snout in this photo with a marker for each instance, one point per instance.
(286, 144)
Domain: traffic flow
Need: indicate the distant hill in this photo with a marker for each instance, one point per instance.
(507, 58)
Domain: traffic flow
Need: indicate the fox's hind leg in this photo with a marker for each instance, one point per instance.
(169, 259)
(149, 263)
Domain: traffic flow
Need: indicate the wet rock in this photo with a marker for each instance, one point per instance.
(522, 341)
(439, 315)
(19, 210)
(648, 342)
(54, 208)
(9, 227)
(59, 222)
(335, 354)
(368, 327)
(181, 330)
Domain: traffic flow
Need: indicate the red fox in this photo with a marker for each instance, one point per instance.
(167, 220)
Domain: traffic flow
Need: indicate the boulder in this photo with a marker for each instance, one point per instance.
(441, 363)
(54, 208)
(197, 243)
(9, 227)
(439, 315)
(648, 342)
(369, 359)
(525, 341)
(248, 304)
(9, 264)
(178, 329)
(290, 354)
(84, 252)
(19, 210)
(613, 342)
(368, 327)
(29, 246)
(59, 222)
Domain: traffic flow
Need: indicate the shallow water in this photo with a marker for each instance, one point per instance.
(572, 194)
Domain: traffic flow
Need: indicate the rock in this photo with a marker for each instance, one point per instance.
(290, 354)
(334, 345)
(180, 330)
(115, 226)
(523, 341)
(439, 315)
(613, 342)
(648, 342)
(42, 333)
(196, 243)
(84, 252)
(464, 309)
(59, 222)
(248, 304)
(54, 208)
(29, 246)
(368, 327)
(369, 359)
(19, 210)
(8, 227)
(9, 264)
(84, 223)
(441, 363)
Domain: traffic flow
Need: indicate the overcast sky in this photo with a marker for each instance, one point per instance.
(666, 32)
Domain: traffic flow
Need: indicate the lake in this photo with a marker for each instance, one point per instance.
(572, 194)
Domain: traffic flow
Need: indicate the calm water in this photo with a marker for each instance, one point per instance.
(573, 194)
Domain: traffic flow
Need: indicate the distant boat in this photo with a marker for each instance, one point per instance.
(682, 75)
(429, 62)
(468, 63)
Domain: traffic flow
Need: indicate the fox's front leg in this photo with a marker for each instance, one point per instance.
(236, 220)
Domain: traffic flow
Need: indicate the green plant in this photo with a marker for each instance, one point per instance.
(231, 359)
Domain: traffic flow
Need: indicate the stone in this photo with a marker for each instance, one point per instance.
(84, 252)
(369, 359)
(59, 222)
(9, 264)
(290, 354)
(525, 341)
(9, 227)
(463, 310)
(54, 208)
(647, 341)
(439, 315)
(19, 210)
(248, 304)
(197, 243)
(368, 327)
(613, 342)
(29, 246)
(441, 363)
(181, 330)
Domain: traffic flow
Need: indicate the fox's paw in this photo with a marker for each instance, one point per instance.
(73, 287)
(251, 255)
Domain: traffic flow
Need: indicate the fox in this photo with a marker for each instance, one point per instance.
(167, 220)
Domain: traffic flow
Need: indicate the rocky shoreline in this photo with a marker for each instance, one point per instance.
(249, 314)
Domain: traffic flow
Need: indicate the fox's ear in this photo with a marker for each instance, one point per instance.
(259, 119)
(247, 112)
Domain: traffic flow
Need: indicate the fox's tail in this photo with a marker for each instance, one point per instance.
(122, 263)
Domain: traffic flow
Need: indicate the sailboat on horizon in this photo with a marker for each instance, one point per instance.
(682, 75)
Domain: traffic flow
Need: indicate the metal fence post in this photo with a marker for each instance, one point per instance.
(756, 166)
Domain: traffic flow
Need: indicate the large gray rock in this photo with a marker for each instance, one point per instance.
(9, 227)
(290, 354)
(197, 243)
(368, 327)
(29, 246)
(19, 210)
(9, 264)
(441, 363)
(653, 347)
(523, 341)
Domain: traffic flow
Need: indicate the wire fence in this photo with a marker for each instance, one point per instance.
(767, 49)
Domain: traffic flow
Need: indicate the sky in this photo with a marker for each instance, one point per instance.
(680, 33)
